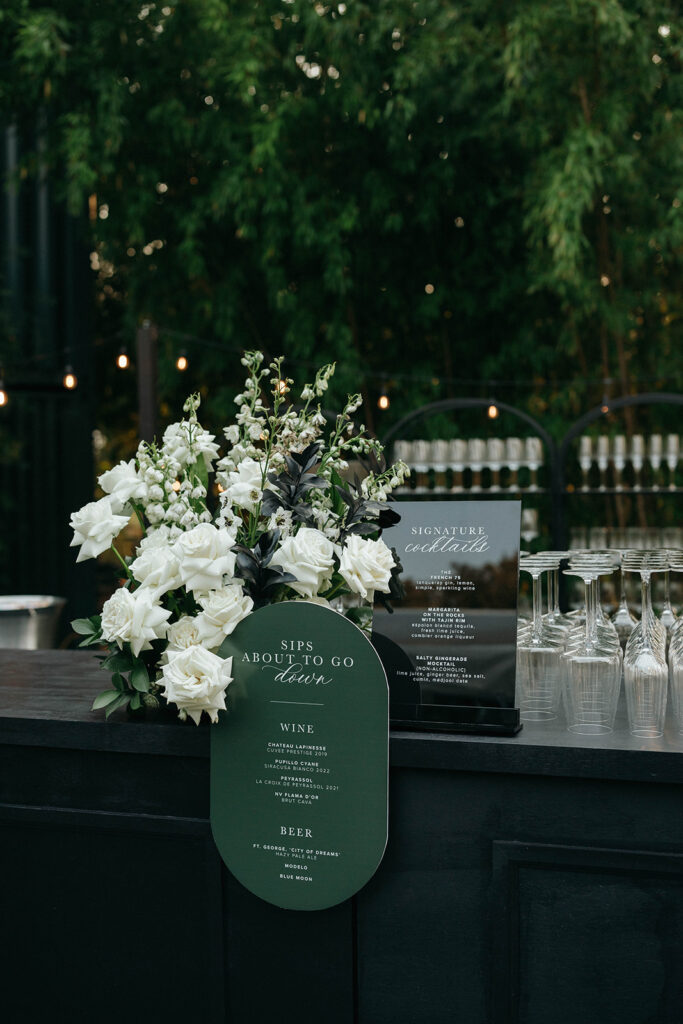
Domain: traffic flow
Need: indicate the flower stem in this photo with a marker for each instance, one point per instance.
(123, 562)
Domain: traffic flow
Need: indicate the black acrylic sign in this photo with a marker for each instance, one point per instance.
(449, 647)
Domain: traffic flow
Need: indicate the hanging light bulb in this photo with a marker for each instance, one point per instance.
(122, 360)
(182, 362)
(492, 411)
(4, 397)
(69, 380)
(383, 401)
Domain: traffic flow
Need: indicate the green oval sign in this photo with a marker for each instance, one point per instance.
(299, 766)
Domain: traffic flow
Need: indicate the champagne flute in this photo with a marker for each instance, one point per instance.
(637, 458)
(513, 458)
(457, 456)
(672, 453)
(585, 459)
(533, 452)
(654, 451)
(619, 460)
(602, 454)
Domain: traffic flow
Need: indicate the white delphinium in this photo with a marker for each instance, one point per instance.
(122, 484)
(134, 618)
(196, 680)
(366, 566)
(282, 520)
(243, 485)
(95, 526)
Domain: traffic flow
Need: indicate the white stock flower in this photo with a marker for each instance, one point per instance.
(95, 526)
(156, 538)
(157, 570)
(204, 557)
(196, 680)
(222, 610)
(133, 618)
(184, 441)
(366, 566)
(243, 485)
(309, 556)
(123, 483)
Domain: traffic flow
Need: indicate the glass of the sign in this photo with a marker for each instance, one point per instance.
(450, 642)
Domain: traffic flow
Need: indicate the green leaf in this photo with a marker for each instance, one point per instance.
(135, 702)
(122, 699)
(120, 662)
(361, 616)
(83, 626)
(91, 641)
(104, 698)
(139, 678)
(119, 682)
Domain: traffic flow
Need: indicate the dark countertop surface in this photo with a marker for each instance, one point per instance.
(45, 700)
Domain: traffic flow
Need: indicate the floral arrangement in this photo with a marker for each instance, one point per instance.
(271, 520)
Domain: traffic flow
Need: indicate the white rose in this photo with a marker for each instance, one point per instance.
(182, 634)
(95, 526)
(157, 570)
(123, 483)
(204, 557)
(134, 618)
(309, 556)
(244, 484)
(196, 680)
(366, 566)
(222, 610)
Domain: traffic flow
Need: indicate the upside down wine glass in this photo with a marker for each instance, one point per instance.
(645, 668)
(676, 651)
(623, 620)
(592, 661)
(539, 650)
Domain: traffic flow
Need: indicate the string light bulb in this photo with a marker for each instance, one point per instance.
(69, 380)
(182, 362)
(4, 397)
(122, 360)
(492, 411)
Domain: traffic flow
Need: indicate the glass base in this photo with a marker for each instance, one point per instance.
(537, 715)
(590, 728)
(647, 733)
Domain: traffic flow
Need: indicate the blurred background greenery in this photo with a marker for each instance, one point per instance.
(447, 199)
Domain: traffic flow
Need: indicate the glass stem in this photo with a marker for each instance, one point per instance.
(554, 593)
(537, 604)
(591, 612)
(622, 586)
(646, 613)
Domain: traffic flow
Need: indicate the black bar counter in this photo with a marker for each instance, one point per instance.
(535, 879)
